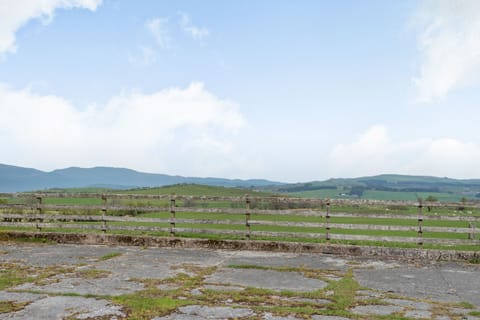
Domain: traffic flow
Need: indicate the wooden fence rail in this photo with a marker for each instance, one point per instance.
(312, 201)
(321, 222)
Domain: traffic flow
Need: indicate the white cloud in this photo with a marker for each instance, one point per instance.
(373, 152)
(158, 27)
(16, 13)
(146, 57)
(185, 131)
(197, 33)
(449, 42)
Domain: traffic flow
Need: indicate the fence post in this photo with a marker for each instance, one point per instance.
(327, 220)
(172, 215)
(39, 213)
(247, 217)
(104, 213)
(472, 234)
(420, 222)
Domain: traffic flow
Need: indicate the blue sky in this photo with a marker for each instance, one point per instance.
(284, 90)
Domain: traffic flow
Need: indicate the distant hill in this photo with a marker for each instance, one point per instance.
(381, 187)
(385, 187)
(19, 179)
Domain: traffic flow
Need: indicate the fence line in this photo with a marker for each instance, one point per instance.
(41, 215)
(242, 199)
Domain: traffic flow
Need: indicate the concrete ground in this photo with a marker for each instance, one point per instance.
(54, 281)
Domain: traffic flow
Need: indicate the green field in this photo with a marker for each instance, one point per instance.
(378, 195)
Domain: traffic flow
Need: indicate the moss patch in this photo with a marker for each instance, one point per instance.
(11, 306)
(14, 274)
(92, 273)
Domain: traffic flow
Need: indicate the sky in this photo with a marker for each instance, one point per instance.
(289, 91)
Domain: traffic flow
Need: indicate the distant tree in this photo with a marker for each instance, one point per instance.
(357, 191)
(463, 200)
(430, 198)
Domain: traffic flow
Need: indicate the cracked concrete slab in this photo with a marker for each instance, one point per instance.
(54, 255)
(379, 310)
(424, 282)
(197, 312)
(20, 296)
(418, 314)
(62, 307)
(411, 283)
(105, 286)
(409, 303)
(267, 279)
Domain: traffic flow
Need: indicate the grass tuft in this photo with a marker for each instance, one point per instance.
(109, 256)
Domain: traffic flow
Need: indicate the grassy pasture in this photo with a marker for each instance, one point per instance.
(377, 195)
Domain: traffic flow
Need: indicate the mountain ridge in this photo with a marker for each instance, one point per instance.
(381, 187)
(20, 179)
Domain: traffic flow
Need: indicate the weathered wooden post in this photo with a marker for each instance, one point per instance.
(247, 217)
(104, 212)
(39, 213)
(420, 222)
(172, 215)
(472, 234)
(327, 220)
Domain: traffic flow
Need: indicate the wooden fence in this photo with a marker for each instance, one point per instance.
(247, 217)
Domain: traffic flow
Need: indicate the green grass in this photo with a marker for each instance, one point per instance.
(109, 256)
(80, 190)
(73, 201)
(377, 195)
(92, 273)
(39, 240)
(12, 274)
(140, 306)
(320, 194)
(344, 291)
(198, 190)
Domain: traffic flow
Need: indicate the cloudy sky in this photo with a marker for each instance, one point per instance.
(284, 90)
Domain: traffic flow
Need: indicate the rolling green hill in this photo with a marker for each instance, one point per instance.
(18, 179)
(385, 187)
(199, 190)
